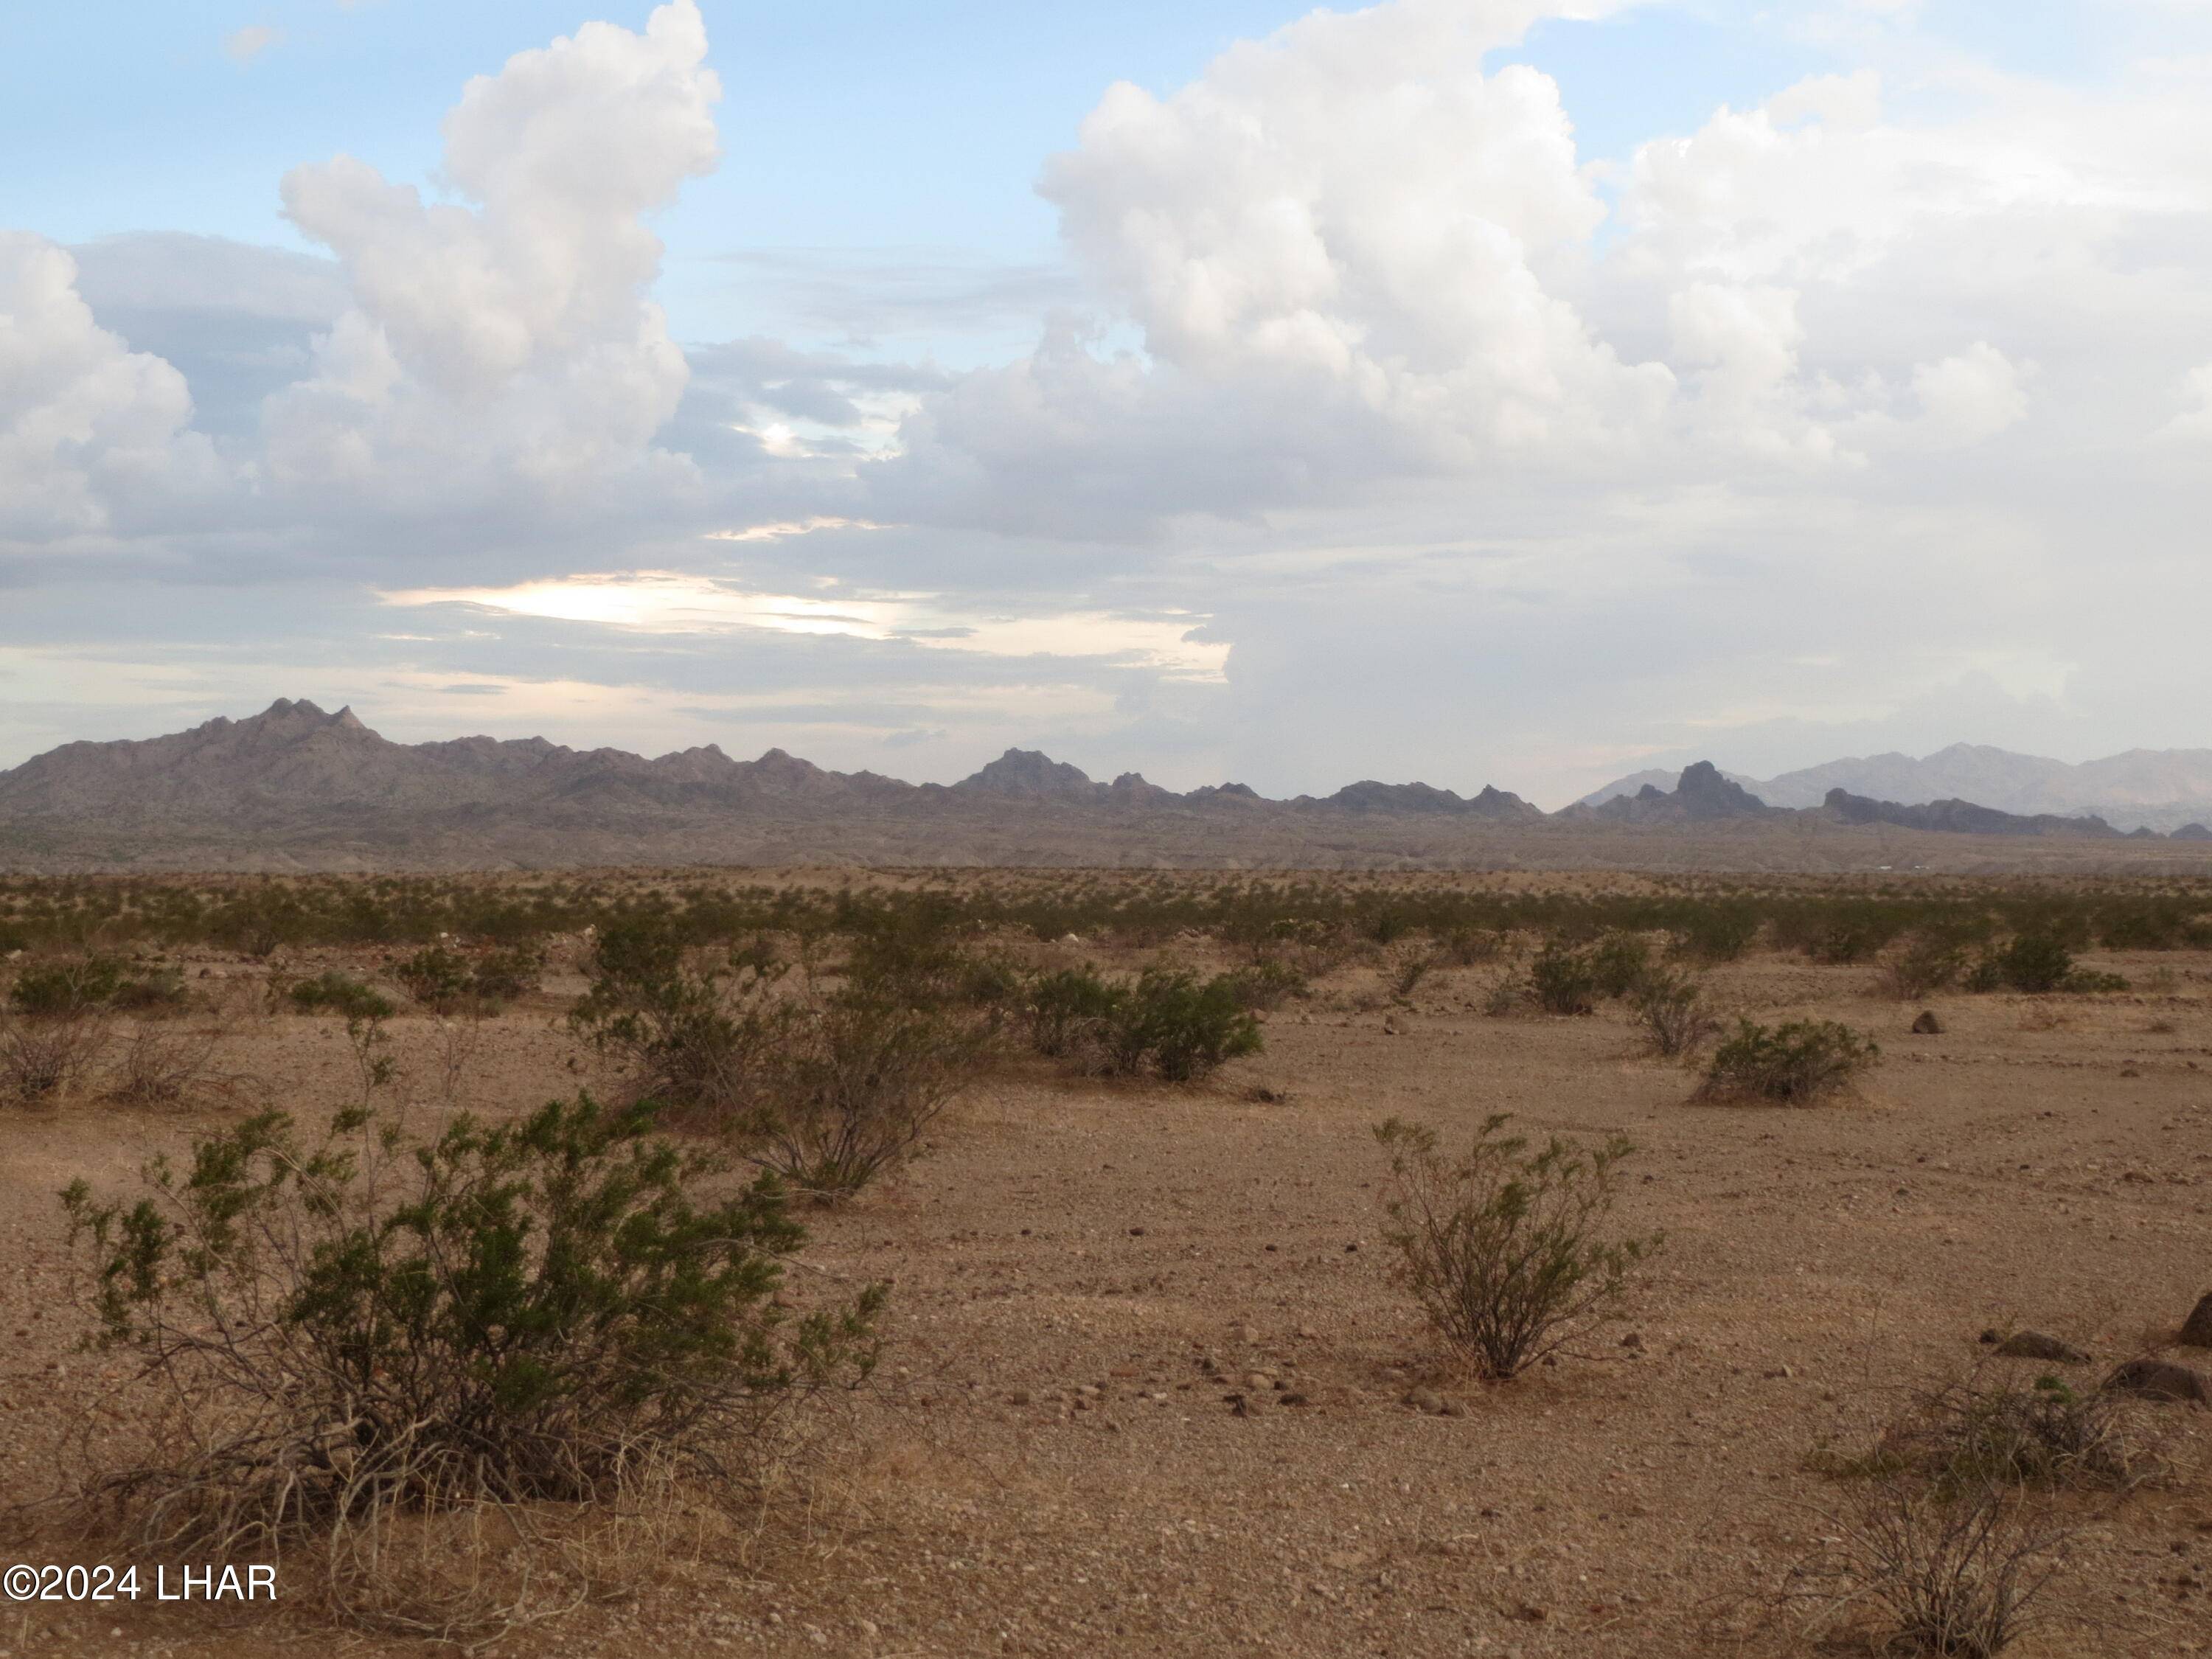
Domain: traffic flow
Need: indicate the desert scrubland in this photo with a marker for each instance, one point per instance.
(1100, 1337)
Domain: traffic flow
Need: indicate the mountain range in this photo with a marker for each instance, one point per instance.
(2161, 789)
(296, 786)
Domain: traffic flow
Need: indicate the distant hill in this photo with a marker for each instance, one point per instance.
(296, 786)
(2161, 789)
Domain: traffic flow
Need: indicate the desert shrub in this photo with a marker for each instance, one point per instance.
(1618, 964)
(828, 1091)
(444, 979)
(436, 977)
(163, 1064)
(2037, 963)
(161, 992)
(1502, 996)
(1409, 969)
(1715, 931)
(2010, 1432)
(2087, 982)
(1672, 1011)
(1928, 962)
(334, 992)
(2033, 962)
(41, 1055)
(1067, 1013)
(66, 986)
(1266, 985)
(1561, 980)
(693, 1037)
(1950, 1571)
(1467, 947)
(911, 956)
(1506, 1250)
(1795, 1063)
(342, 1328)
(1178, 1025)
(851, 1088)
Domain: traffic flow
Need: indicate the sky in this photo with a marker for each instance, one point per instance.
(1510, 391)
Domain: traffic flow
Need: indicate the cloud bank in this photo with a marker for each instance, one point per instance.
(1371, 425)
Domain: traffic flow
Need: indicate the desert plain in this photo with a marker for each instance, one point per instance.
(1149, 1386)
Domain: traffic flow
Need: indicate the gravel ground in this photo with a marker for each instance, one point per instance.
(1147, 1382)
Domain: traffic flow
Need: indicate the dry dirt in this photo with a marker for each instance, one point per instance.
(1082, 1272)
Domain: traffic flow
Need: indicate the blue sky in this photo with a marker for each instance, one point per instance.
(852, 128)
(1349, 377)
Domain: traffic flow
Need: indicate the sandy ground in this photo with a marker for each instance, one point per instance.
(1084, 1274)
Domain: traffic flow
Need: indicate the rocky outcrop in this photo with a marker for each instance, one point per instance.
(1957, 817)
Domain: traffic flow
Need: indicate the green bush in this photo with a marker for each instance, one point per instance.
(1716, 931)
(1928, 962)
(1562, 981)
(444, 979)
(1505, 1249)
(515, 1314)
(2033, 962)
(850, 1088)
(1068, 1013)
(1795, 1063)
(69, 985)
(827, 1091)
(698, 1038)
(1672, 1011)
(1266, 985)
(1618, 964)
(333, 993)
(1179, 1026)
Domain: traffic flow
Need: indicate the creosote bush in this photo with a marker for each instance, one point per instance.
(1067, 1013)
(827, 1089)
(1562, 981)
(1956, 1572)
(349, 1327)
(334, 992)
(2011, 1432)
(1673, 1013)
(1928, 962)
(445, 982)
(1505, 1248)
(1793, 1064)
(1178, 1026)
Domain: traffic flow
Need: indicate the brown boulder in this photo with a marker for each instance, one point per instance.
(2160, 1379)
(2197, 1330)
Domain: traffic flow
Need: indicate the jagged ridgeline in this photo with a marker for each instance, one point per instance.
(296, 786)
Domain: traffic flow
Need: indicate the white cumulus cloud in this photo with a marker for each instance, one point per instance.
(89, 429)
(510, 334)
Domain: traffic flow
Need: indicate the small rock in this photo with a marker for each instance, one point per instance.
(1452, 1407)
(2160, 1379)
(1237, 1405)
(1990, 1336)
(1633, 1340)
(2034, 1345)
(1927, 1024)
(1292, 1398)
(1247, 1334)
(1425, 1399)
(1018, 1397)
(1781, 1372)
(2197, 1330)
(1390, 1025)
(1257, 1381)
